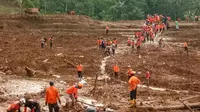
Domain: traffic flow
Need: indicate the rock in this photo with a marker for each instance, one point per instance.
(8, 72)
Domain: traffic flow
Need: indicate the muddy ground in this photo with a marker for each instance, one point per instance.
(175, 75)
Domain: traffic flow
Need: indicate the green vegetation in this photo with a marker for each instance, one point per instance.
(117, 9)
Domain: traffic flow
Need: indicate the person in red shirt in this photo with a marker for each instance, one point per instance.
(147, 77)
(15, 107)
(79, 68)
(107, 29)
(73, 92)
(115, 42)
(129, 41)
(133, 82)
(51, 98)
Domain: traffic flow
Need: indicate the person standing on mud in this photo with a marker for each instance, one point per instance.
(116, 70)
(160, 42)
(138, 46)
(79, 68)
(147, 77)
(98, 42)
(42, 43)
(107, 50)
(50, 42)
(52, 96)
(115, 42)
(177, 25)
(73, 92)
(113, 48)
(186, 47)
(103, 46)
(107, 29)
(133, 82)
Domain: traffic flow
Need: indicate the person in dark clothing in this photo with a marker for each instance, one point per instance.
(33, 105)
(103, 44)
(50, 42)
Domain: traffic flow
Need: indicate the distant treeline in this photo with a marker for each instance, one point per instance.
(118, 9)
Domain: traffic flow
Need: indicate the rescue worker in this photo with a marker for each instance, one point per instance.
(177, 25)
(113, 48)
(72, 12)
(129, 41)
(98, 42)
(116, 70)
(115, 42)
(138, 46)
(160, 42)
(15, 107)
(51, 98)
(50, 42)
(186, 47)
(79, 68)
(129, 72)
(107, 29)
(147, 77)
(133, 82)
(133, 44)
(107, 50)
(42, 43)
(33, 105)
(73, 92)
(103, 46)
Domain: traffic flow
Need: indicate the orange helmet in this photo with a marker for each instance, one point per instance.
(80, 85)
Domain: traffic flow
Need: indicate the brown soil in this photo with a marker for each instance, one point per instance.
(74, 39)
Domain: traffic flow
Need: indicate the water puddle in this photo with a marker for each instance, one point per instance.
(103, 69)
(161, 89)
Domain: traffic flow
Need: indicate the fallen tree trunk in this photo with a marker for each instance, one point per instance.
(174, 107)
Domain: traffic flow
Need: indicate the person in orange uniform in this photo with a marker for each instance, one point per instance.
(52, 96)
(107, 29)
(98, 42)
(15, 107)
(73, 92)
(79, 68)
(186, 47)
(115, 42)
(133, 82)
(116, 70)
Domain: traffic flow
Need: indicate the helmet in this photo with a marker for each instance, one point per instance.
(133, 72)
(80, 85)
(22, 101)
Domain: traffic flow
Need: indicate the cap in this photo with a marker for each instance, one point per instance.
(133, 72)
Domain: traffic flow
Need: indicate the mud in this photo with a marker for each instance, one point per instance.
(174, 74)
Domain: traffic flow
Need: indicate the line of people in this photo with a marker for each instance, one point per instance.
(108, 46)
(153, 25)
